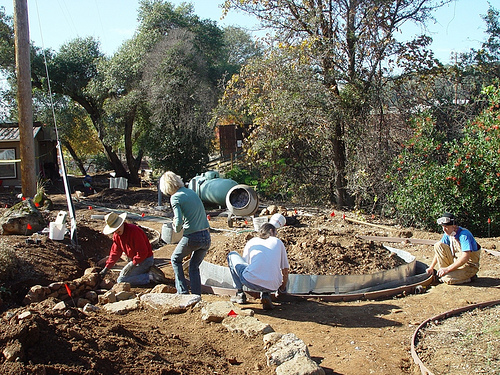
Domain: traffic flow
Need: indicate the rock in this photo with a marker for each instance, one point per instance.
(13, 351)
(123, 295)
(24, 315)
(122, 307)
(59, 306)
(92, 270)
(299, 365)
(90, 308)
(170, 303)
(91, 295)
(56, 286)
(162, 288)
(81, 302)
(271, 339)
(121, 287)
(286, 348)
(15, 220)
(321, 239)
(109, 297)
(247, 325)
(218, 311)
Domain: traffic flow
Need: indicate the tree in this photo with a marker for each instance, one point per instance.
(349, 40)
(180, 96)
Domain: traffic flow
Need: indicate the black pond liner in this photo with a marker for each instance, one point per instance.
(414, 340)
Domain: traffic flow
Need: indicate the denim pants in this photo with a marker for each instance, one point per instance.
(136, 275)
(196, 244)
(237, 266)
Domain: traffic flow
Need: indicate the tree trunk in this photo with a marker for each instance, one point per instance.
(132, 163)
(75, 157)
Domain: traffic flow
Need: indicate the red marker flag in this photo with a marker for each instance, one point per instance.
(343, 216)
(231, 313)
(90, 207)
(29, 227)
(489, 221)
(24, 198)
(68, 289)
(332, 214)
(37, 204)
(143, 214)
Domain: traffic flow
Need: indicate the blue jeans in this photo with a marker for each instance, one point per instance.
(196, 244)
(237, 266)
(136, 275)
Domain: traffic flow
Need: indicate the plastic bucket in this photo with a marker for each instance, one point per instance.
(168, 235)
(56, 231)
(258, 222)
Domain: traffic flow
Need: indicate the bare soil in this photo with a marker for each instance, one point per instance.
(359, 337)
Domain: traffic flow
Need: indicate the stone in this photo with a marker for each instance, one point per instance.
(91, 295)
(15, 219)
(170, 303)
(81, 302)
(110, 296)
(123, 295)
(56, 285)
(286, 348)
(122, 307)
(59, 306)
(163, 288)
(13, 351)
(90, 308)
(24, 315)
(299, 365)
(271, 339)
(246, 325)
(121, 287)
(218, 311)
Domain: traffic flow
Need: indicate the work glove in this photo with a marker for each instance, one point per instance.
(104, 271)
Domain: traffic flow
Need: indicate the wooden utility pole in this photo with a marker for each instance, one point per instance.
(24, 98)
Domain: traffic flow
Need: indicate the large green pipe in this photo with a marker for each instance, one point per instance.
(212, 189)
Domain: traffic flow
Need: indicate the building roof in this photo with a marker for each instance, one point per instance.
(10, 132)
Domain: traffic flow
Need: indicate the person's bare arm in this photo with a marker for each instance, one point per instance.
(284, 272)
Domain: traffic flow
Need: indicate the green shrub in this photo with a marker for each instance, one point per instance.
(8, 262)
(462, 176)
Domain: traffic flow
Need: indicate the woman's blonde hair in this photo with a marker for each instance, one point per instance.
(267, 230)
(170, 183)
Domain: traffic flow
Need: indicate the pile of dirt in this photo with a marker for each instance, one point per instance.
(313, 251)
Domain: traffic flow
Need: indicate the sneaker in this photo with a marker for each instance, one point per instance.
(239, 298)
(157, 276)
(267, 303)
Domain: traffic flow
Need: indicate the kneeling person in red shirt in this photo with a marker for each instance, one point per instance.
(131, 240)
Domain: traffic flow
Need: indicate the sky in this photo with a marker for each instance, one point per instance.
(459, 25)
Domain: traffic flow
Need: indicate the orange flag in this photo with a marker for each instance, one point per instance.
(68, 289)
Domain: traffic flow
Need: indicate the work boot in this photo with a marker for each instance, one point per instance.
(239, 298)
(267, 303)
(157, 276)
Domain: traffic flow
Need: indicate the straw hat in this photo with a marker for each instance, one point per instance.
(113, 222)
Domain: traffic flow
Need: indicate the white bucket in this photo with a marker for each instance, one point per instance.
(258, 222)
(168, 235)
(56, 231)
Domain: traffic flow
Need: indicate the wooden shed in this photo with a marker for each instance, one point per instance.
(10, 150)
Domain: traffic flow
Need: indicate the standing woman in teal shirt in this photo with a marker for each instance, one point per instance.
(189, 213)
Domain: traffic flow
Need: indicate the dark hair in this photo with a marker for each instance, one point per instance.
(267, 230)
